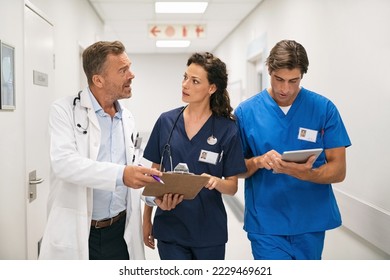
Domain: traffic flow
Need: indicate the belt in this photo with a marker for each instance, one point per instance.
(107, 222)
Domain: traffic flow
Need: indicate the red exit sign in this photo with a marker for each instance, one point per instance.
(177, 31)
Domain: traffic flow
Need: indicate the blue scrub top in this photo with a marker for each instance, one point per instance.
(200, 222)
(277, 203)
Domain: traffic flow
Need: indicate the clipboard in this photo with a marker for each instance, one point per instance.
(182, 183)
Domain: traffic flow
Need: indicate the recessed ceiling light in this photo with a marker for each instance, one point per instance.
(180, 7)
(172, 43)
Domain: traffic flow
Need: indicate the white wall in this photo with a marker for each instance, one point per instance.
(348, 46)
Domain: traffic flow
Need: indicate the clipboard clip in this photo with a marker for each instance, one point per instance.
(182, 168)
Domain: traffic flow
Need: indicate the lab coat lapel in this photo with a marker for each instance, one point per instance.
(130, 134)
(94, 128)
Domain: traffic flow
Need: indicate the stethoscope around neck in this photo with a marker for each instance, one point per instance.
(211, 140)
(81, 129)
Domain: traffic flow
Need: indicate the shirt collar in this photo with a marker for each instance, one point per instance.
(99, 110)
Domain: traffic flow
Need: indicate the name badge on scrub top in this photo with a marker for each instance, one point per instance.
(208, 156)
(307, 134)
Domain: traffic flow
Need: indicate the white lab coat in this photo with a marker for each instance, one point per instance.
(75, 173)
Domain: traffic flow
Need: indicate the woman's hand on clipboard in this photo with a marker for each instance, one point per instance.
(169, 201)
(228, 185)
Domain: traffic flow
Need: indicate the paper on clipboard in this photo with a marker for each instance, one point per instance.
(182, 183)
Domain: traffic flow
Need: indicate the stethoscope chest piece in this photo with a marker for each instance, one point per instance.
(212, 140)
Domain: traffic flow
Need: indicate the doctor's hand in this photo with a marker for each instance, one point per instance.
(169, 201)
(302, 171)
(138, 176)
(269, 160)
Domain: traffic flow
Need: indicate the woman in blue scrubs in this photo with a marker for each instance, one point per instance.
(203, 135)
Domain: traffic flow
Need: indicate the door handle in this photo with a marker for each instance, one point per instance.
(36, 181)
(32, 187)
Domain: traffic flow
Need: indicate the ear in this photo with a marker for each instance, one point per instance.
(98, 81)
(212, 89)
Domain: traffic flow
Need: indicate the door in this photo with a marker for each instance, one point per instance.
(39, 92)
(255, 75)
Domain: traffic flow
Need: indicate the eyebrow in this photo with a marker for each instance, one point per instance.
(124, 67)
(192, 76)
(286, 79)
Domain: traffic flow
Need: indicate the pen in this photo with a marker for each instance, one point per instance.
(158, 179)
(155, 177)
(220, 158)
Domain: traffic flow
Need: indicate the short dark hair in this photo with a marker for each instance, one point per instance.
(95, 56)
(288, 54)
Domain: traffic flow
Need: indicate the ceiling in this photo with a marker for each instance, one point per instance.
(135, 23)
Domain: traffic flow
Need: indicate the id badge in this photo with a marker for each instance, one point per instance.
(307, 134)
(208, 157)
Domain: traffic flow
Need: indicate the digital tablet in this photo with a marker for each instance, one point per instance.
(300, 156)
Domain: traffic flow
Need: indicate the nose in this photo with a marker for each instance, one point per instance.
(184, 83)
(132, 76)
(284, 87)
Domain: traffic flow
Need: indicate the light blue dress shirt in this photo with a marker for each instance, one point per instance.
(108, 204)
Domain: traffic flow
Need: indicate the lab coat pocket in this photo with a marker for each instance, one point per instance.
(68, 228)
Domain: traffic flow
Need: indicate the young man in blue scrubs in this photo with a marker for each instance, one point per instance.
(289, 206)
(205, 136)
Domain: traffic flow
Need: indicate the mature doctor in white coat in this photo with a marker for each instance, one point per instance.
(95, 178)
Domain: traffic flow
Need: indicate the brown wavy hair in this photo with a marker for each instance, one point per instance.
(216, 74)
(288, 54)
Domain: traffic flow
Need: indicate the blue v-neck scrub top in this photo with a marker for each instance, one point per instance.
(201, 222)
(279, 204)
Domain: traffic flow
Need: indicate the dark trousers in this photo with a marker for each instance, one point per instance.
(108, 243)
(173, 251)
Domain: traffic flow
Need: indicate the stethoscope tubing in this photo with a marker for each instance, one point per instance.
(167, 147)
(81, 129)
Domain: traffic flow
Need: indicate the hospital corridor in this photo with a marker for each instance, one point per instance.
(45, 86)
